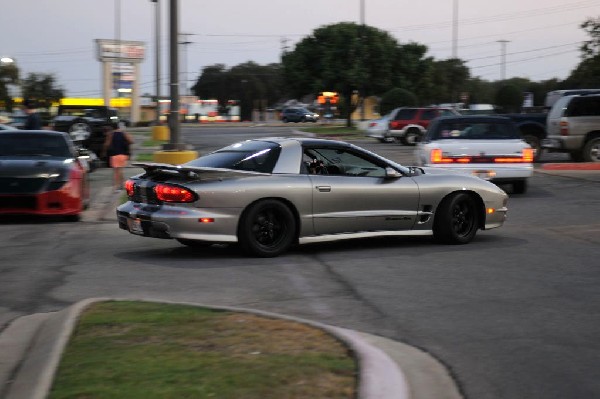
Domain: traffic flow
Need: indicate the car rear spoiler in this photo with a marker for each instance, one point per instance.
(192, 171)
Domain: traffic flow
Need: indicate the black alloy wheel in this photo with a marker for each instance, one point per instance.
(456, 219)
(267, 229)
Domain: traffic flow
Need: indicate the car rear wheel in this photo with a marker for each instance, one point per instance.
(411, 137)
(267, 229)
(591, 150)
(519, 186)
(456, 219)
(80, 131)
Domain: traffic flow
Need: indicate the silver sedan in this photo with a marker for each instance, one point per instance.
(268, 194)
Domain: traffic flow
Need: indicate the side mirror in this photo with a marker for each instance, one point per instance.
(391, 173)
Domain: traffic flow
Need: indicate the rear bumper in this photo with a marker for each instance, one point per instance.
(492, 172)
(178, 222)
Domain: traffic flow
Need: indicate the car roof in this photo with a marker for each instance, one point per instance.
(36, 132)
(476, 118)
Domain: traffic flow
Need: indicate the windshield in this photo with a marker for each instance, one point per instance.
(28, 144)
(253, 156)
(475, 131)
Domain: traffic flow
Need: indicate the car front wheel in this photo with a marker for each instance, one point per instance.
(456, 219)
(267, 229)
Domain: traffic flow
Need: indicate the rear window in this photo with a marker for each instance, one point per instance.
(252, 156)
(584, 106)
(30, 144)
(475, 131)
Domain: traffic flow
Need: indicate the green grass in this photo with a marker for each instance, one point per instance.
(142, 350)
(144, 157)
(335, 131)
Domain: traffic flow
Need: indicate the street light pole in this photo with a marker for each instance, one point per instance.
(362, 96)
(174, 76)
(503, 58)
(455, 30)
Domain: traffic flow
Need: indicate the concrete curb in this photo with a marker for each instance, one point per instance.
(39, 341)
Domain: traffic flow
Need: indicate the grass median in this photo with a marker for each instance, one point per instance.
(135, 350)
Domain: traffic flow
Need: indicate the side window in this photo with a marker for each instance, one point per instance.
(406, 114)
(329, 161)
(429, 114)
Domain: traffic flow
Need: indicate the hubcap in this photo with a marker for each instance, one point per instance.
(462, 219)
(267, 229)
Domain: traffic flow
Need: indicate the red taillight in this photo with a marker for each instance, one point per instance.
(564, 128)
(437, 156)
(169, 193)
(528, 155)
(130, 187)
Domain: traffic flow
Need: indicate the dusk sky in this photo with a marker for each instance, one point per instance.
(57, 36)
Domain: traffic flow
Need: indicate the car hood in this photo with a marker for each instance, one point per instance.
(478, 147)
(33, 168)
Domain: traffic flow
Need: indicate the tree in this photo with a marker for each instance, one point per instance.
(591, 48)
(347, 57)
(9, 74)
(396, 98)
(252, 84)
(42, 88)
(509, 98)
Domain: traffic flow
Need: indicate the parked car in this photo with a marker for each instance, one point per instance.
(380, 129)
(268, 194)
(298, 115)
(85, 124)
(489, 147)
(409, 124)
(573, 126)
(41, 174)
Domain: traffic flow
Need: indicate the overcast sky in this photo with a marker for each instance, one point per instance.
(57, 36)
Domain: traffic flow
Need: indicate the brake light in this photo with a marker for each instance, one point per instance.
(130, 187)
(169, 193)
(437, 156)
(528, 155)
(564, 128)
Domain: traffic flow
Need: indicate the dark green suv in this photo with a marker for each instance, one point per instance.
(298, 115)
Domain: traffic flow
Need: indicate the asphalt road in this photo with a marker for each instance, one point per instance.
(515, 314)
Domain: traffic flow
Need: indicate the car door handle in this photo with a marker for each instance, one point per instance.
(324, 189)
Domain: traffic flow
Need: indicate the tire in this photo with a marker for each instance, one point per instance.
(194, 243)
(519, 186)
(591, 150)
(267, 229)
(411, 137)
(536, 144)
(456, 219)
(80, 131)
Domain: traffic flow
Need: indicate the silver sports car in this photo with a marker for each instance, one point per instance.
(268, 194)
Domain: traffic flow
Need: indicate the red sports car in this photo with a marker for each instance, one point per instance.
(41, 173)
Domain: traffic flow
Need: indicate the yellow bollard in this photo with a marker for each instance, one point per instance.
(161, 132)
(174, 157)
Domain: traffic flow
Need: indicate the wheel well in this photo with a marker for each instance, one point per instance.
(532, 129)
(286, 202)
(591, 135)
(476, 198)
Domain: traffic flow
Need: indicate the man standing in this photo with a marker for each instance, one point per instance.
(33, 121)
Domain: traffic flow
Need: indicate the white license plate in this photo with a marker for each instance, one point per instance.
(135, 226)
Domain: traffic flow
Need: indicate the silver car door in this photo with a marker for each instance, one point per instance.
(354, 195)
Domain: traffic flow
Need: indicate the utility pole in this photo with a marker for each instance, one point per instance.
(362, 43)
(503, 58)
(174, 76)
(184, 82)
(157, 57)
(455, 30)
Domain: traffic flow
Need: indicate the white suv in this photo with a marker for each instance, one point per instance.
(573, 126)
